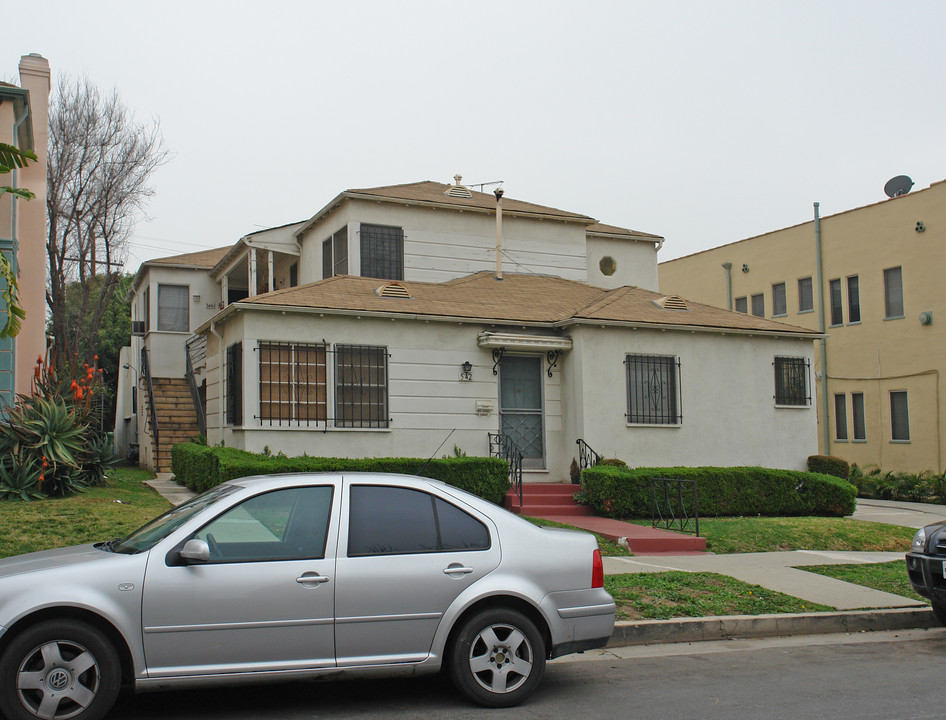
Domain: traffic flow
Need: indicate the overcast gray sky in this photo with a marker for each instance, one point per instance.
(704, 122)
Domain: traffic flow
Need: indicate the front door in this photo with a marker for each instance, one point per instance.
(520, 407)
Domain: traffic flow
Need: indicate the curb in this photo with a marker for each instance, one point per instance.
(690, 630)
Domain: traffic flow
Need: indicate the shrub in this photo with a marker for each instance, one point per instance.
(625, 492)
(829, 465)
(200, 468)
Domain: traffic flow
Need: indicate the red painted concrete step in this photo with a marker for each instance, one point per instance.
(543, 499)
(555, 501)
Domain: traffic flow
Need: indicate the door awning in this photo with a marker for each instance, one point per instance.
(521, 341)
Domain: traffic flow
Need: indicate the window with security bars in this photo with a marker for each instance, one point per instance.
(292, 383)
(792, 384)
(653, 390)
(382, 252)
(361, 386)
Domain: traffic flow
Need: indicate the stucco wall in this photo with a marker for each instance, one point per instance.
(427, 398)
(636, 262)
(873, 355)
(727, 388)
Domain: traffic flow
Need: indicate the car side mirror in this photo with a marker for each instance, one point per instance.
(196, 551)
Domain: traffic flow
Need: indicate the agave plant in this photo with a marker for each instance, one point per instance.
(99, 456)
(50, 433)
(18, 479)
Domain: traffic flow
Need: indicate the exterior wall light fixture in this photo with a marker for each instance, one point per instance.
(466, 371)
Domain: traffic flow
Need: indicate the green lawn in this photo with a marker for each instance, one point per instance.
(663, 595)
(773, 534)
(890, 577)
(99, 513)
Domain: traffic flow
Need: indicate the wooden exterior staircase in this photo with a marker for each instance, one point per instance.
(176, 417)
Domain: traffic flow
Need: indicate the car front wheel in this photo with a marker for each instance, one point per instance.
(59, 670)
(497, 658)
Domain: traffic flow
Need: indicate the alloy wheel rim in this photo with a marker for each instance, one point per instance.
(57, 680)
(501, 658)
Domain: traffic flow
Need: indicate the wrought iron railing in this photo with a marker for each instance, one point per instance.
(675, 505)
(152, 410)
(587, 457)
(501, 446)
(195, 350)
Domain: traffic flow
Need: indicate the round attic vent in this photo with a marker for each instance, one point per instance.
(672, 302)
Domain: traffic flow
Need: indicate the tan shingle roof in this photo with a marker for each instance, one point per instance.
(518, 298)
(429, 192)
(599, 228)
(202, 258)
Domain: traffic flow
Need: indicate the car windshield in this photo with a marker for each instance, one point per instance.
(147, 536)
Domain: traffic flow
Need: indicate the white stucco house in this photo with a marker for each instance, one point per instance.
(384, 326)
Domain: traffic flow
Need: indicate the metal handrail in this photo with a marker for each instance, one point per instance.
(195, 347)
(669, 509)
(502, 447)
(152, 410)
(586, 456)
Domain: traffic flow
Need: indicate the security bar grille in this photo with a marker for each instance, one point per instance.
(792, 381)
(295, 389)
(653, 390)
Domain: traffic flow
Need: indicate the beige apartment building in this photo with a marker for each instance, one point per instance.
(871, 279)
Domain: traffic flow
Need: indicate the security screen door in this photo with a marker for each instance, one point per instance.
(520, 407)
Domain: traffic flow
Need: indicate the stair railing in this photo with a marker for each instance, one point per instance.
(587, 457)
(501, 446)
(195, 349)
(152, 410)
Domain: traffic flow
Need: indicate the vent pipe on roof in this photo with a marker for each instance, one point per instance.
(498, 192)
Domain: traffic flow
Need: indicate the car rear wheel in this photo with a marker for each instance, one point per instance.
(59, 670)
(497, 658)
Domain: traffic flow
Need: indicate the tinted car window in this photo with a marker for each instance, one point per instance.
(459, 531)
(289, 524)
(392, 521)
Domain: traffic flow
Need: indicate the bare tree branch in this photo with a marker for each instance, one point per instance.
(100, 164)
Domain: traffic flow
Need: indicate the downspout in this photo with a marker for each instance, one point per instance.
(822, 343)
(727, 266)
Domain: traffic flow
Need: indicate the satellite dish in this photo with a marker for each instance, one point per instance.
(898, 186)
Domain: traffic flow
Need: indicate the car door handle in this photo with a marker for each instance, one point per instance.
(457, 569)
(311, 579)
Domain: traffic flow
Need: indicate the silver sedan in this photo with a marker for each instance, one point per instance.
(300, 576)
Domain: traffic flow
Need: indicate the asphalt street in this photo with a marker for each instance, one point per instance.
(871, 676)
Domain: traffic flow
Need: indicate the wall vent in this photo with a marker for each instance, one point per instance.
(393, 290)
(672, 302)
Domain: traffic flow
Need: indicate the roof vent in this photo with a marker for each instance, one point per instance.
(393, 290)
(458, 190)
(672, 302)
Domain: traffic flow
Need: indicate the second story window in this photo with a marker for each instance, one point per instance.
(853, 300)
(893, 293)
(742, 304)
(778, 300)
(173, 308)
(837, 305)
(805, 295)
(758, 305)
(382, 252)
(335, 254)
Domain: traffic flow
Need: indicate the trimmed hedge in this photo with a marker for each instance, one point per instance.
(200, 468)
(625, 492)
(829, 465)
